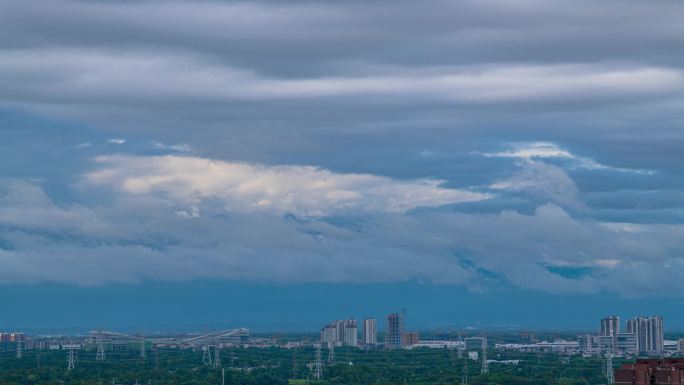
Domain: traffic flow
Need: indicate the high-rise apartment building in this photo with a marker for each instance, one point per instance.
(340, 332)
(649, 333)
(329, 333)
(631, 326)
(610, 326)
(370, 331)
(351, 332)
(393, 331)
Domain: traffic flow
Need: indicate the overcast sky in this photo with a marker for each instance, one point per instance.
(481, 144)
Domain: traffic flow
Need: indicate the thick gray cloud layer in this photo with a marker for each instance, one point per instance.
(485, 143)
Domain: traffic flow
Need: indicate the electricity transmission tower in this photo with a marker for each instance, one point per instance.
(610, 376)
(206, 356)
(156, 357)
(460, 353)
(465, 372)
(142, 349)
(293, 371)
(317, 365)
(217, 358)
(70, 365)
(485, 364)
(331, 353)
(19, 352)
(100, 352)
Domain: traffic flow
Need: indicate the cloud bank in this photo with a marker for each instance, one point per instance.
(180, 218)
(246, 188)
(484, 143)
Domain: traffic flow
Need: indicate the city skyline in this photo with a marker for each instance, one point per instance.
(641, 336)
(643, 353)
(194, 308)
(305, 192)
(485, 164)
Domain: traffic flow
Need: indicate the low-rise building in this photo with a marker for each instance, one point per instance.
(651, 372)
(409, 338)
(438, 344)
(627, 344)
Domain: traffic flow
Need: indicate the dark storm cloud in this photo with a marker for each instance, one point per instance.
(306, 35)
(166, 68)
(368, 141)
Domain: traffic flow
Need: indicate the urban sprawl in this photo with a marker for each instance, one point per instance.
(639, 344)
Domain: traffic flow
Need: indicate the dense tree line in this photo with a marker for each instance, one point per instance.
(257, 366)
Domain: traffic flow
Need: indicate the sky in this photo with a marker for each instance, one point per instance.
(277, 164)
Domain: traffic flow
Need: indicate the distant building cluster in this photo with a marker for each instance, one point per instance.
(642, 335)
(345, 333)
(12, 337)
(341, 333)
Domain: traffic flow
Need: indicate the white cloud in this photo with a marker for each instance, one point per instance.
(529, 151)
(532, 150)
(243, 187)
(625, 227)
(608, 263)
(179, 147)
(542, 181)
(147, 236)
(116, 141)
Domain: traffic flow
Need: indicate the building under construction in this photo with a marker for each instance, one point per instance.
(393, 331)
